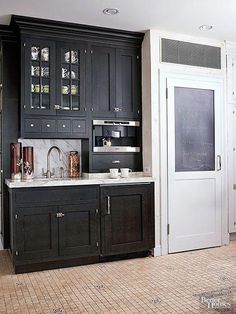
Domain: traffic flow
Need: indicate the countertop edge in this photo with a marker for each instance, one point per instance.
(75, 182)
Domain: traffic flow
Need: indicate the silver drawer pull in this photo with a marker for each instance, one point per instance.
(115, 162)
(31, 125)
(108, 205)
(48, 125)
(63, 125)
(116, 109)
(78, 126)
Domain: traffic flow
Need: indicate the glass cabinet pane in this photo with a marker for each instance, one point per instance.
(40, 77)
(70, 79)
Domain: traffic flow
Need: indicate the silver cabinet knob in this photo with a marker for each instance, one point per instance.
(48, 125)
(31, 125)
(63, 125)
(78, 125)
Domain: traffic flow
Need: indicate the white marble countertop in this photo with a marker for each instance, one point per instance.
(99, 180)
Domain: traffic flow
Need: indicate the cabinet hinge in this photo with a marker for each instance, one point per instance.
(16, 216)
(16, 253)
(97, 211)
(97, 244)
(91, 51)
(168, 229)
(166, 93)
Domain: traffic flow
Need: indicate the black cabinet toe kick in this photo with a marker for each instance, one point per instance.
(73, 262)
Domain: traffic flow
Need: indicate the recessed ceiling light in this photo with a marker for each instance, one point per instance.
(110, 11)
(205, 27)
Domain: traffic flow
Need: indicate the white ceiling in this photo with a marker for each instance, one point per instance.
(180, 16)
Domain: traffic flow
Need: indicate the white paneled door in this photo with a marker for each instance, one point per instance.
(194, 164)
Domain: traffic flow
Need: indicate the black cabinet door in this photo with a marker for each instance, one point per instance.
(38, 76)
(36, 233)
(78, 230)
(128, 83)
(127, 218)
(102, 80)
(71, 79)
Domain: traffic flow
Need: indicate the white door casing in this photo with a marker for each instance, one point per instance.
(194, 197)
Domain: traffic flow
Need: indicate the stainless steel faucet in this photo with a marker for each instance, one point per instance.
(50, 173)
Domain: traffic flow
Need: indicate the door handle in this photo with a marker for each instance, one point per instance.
(218, 163)
(108, 205)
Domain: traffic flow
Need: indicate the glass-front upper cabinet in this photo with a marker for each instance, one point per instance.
(39, 77)
(71, 79)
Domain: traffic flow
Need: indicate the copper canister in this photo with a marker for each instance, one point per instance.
(28, 162)
(16, 161)
(73, 164)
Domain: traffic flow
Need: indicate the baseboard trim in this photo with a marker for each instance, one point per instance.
(157, 250)
(232, 236)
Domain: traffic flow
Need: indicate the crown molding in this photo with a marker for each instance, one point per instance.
(53, 28)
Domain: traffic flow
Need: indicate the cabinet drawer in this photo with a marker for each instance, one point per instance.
(78, 126)
(32, 125)
(103, 162)
(58, 195)
(64, 126)
(48, 126)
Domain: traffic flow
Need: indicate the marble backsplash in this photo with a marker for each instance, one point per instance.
(41, 147)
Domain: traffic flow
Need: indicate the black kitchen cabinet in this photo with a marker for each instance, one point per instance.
(70, 79)
(53, 81)
(53, 89)
(54, 225)
(64, 226)
(102, 78)
(38, 81)
(103, 161)
(76, 71)
(36, 232)
(78, 230)
(51, 231)
(115, 82)
(127, 218)
(128, 83)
